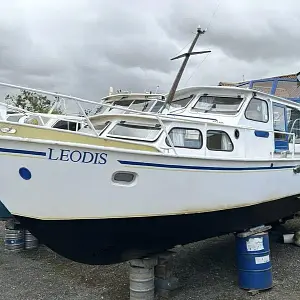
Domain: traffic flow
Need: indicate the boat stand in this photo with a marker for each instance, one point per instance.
(152, 275)
(16, 238)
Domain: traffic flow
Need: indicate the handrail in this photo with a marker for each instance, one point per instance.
(47, 115)
(163, 116)
(294, 123)
(167, 135)
(159, 116)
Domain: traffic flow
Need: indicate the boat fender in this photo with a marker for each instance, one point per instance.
(296, 169)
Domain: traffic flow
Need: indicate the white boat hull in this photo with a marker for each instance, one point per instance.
(167, 188)
(75, 205)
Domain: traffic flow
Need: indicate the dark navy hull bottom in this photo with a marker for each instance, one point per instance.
(109, 241)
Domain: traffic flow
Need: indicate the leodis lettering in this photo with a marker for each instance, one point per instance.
(76, 156)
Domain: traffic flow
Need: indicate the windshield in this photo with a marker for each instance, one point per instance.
(182, 101)
(218, 104)
(148, 105)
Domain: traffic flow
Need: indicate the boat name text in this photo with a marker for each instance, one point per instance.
(78, 156)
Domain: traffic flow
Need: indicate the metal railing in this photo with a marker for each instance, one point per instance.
(160, 117)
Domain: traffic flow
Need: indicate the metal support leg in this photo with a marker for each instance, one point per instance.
(165, 282)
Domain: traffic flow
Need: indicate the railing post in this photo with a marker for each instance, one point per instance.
(167, 134)
(294, 145)
(205, 139)
(87, 119)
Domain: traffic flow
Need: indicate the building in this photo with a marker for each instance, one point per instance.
(286, 86)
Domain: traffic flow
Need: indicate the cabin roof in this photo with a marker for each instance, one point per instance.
(198, 89)
(131, 96)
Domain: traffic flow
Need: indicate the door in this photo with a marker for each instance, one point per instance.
(280, 126)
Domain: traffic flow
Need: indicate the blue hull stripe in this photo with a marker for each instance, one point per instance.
(185, 167)
(19, 151)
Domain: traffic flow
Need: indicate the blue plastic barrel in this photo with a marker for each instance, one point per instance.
(253, 261)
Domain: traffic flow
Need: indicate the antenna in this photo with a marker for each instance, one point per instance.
(186, 58)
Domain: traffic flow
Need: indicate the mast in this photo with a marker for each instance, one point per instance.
(180, 72)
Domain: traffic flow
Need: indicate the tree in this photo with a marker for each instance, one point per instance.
(87, 111)
(32, 101)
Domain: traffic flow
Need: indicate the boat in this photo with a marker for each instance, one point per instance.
(214, 160)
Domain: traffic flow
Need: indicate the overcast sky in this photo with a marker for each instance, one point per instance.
(82, 47)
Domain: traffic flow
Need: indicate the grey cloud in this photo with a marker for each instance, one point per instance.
(243, 30)
(83, 47)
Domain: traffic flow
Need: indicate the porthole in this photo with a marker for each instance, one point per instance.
(123, 177)
(236, 134)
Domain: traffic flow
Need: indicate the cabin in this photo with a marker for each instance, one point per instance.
(213, 122)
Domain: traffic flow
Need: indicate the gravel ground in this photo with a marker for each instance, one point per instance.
(206, 270)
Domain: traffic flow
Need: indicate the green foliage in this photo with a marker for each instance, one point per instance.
(87, 111)
(31, 101)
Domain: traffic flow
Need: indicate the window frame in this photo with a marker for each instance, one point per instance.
(192, 96)
(268, 110)
(194, 109)
(134, 138)
(297, 119)
(220, 131)
(183, 147)
(67, 122)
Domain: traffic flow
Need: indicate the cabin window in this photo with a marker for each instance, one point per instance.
(257, 110)
(141, 105)
(218, 140)
(185, 138)
(157, 106)
(135, 131)
(122, 103)
(218, 104)
(14, 118)
(102, 126)
(66, 125)
(182, 101)
(279, 118)
(293, 117)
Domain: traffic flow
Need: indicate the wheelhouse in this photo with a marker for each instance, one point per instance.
(213, 122)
